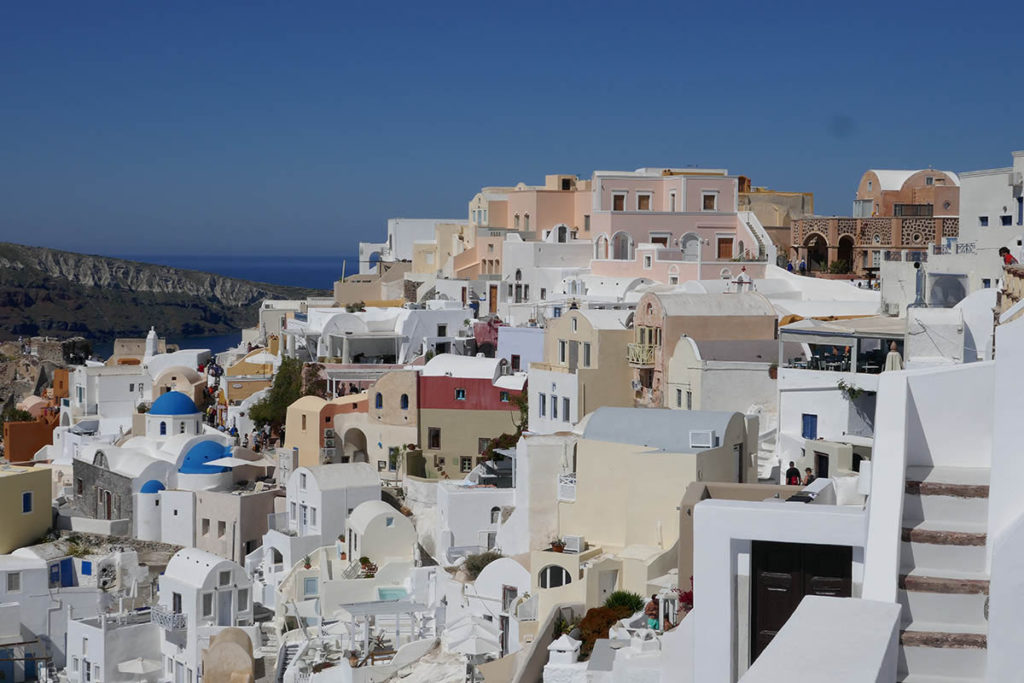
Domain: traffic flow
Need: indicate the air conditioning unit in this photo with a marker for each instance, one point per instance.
(326, 454)
(329, 443)
(328, 433)
(574, 544)
(1015, 178)
(702, 438)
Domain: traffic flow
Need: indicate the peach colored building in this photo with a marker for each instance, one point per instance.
(688, 210)
(536, 210)
(897, 216)
(662, 318)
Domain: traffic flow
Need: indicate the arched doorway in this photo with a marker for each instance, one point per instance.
(817, 252)
(601, 247)
(563, 234)
(374, 261)
(844, 254)
(690, 246)
(355, 445)
(622, 247)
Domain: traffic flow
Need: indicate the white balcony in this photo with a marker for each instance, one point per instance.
(169, 620)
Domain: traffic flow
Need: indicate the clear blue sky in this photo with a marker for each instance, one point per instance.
(288, 128)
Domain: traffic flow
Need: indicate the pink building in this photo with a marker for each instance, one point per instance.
(690, 211)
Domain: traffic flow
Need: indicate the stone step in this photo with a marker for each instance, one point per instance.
(947, 611)
(936, 508)
(944, 581)
(922, 678)
(957, 656)
(960, 482)
(944, 545)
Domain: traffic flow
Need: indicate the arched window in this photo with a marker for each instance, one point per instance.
(622, 247)
(405, 401)
(553, 576)
(163, 429)
(526, 221)
(690, 245)
(378, 401)
(519, 275)
(495, 514)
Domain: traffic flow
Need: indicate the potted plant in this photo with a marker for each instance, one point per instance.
(557, 545)
(364, 561)
(306, 564)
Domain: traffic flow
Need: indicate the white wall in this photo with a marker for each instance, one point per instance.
(949, 421)
(560, 384)
(525, 342)
(722, 530)
(464, 516)
(178, 517)
(534, 521)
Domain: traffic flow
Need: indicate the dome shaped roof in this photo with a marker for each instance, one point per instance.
(173, 403)
(202, 453)
(152, 486)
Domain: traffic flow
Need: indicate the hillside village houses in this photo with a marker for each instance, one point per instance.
(590, 386)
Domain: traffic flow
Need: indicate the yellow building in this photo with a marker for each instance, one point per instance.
(25, 506)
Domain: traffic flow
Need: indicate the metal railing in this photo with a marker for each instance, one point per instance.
(567, 487)
(526, 610)
(640, 354)
(168, 619)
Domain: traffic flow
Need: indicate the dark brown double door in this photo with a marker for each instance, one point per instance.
(782, 574)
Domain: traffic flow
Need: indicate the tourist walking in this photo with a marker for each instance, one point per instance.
(808, 476)
(792, 475)
(1008, 258)
(803, 267)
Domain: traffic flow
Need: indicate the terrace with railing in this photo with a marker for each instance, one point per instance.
(168, 619)
(640, 355)
(567, 487)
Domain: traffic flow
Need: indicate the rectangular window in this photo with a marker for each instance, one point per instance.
(442, 330)
(543, 293)
(929, 180)
(225, 578)
(574, 323)
(460, 394)
(292, 510)
(586, 223)
(556, 312)
(207, 604)
(131, 387)
(643, 201)
(79, 486)
(562, 348)
(206, 527)
(541, 404)
(554, 407)
(586, 354)
(176, 603)
(222, 527)
(503, 396)
(986, 283)
(983, 221)
(515, 221)
(303, 423)
(26, 502)
(648, 261)
(243, 599)
(434, 438)
(516, 360)
(309, 586)
(481, 444)
(13, 582)
(809, 426)
(679, 398)
(312, 516)
(619, 201)
(709, 201)
(689, 400)
(1006, 220)
(565, 409)
(74, 663)
(302, 481)
(465, 464)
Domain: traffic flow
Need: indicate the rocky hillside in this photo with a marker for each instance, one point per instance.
(61, 294)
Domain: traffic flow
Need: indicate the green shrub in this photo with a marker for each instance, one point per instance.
(476, 563)
(624, 600)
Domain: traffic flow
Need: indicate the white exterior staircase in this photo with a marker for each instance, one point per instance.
(943, 578)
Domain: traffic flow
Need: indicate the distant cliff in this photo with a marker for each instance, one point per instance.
(61, 294)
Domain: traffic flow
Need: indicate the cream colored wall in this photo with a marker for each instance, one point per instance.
(683, 373)
(460, 432)
(306, 440)
(424, 258)
(21, 529)
(392, 385)
(623, 492)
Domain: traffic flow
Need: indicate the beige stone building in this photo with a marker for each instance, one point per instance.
(25, 495)
(583, 368)
(663, 317)
(231, 524)
(775, 210)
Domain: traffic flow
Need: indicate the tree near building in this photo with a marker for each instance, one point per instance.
(287, 389)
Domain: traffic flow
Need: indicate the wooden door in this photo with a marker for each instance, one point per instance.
(492, 300)
(724, 248)
(782, 574)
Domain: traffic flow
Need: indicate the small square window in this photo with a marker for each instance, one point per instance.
(1006, 220)
(481, 444)
(503, 396)
(983, 221)
(206, 527)
(643, 202)
(709, 201)
(86, 568)
(222, 528)
(929, 180)
(460, 394)
(465, 464)
(13, 582)
(225, 578)
(556, 312)
(648, 261)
